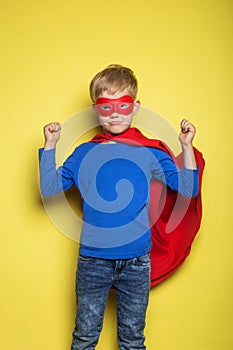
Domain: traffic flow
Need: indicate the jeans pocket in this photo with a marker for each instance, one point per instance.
(85, 258)
(143, 260)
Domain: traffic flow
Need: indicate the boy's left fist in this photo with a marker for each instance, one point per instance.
(187, 133)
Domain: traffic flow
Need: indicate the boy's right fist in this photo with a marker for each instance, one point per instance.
(52, 132)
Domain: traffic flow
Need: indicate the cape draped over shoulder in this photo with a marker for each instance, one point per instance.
(175, 219)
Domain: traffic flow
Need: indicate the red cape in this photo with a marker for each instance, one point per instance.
(175, 219)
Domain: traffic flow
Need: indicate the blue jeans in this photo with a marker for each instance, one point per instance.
(95, 277)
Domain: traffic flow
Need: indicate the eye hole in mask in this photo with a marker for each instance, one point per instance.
(107, 106)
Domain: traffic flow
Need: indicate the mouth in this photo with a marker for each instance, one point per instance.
(115, 122)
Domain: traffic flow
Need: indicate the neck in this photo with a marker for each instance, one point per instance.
(118, 134)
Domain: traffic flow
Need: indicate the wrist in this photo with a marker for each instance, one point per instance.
(189, 160)
(186, 145)
(49, 145)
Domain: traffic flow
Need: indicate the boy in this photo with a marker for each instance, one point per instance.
(113, 175)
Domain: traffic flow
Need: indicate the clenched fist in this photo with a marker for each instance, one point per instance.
(187, 134)
(52, 132)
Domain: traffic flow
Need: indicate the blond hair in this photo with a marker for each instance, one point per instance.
(114, 78)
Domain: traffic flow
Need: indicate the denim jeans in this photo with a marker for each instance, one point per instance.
(94, 279)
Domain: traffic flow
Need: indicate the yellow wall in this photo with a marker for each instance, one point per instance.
(181, 52)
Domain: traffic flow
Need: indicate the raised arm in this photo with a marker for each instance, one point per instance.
(183, 180)
(52, 180)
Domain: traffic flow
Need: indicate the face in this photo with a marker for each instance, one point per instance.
(116, 111)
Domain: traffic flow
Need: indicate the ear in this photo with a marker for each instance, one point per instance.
(136, 107)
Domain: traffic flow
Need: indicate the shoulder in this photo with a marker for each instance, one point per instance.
(158, 152)
(79, 152)
(161, 157)
(84, 148)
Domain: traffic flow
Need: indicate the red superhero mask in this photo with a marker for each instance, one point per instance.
(107, 106)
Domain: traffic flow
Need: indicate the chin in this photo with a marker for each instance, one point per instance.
(117, 129)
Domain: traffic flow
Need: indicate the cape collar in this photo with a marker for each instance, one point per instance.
(133, 137)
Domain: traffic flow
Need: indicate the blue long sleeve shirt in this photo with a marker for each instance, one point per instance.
(114, 182)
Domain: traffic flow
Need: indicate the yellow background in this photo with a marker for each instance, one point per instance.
(181, 52)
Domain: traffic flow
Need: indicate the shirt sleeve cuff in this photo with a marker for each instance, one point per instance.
(46, 153)
(193, 170)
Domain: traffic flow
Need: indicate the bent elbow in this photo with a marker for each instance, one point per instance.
(48, 191)
(190, 192)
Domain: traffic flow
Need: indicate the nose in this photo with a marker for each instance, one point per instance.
(114, 115)
(114, 112)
